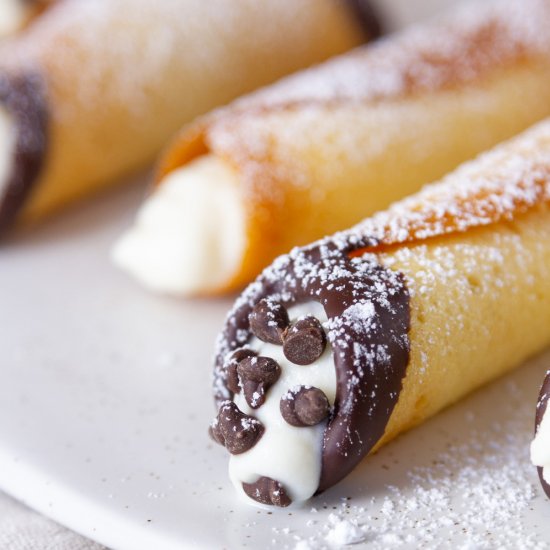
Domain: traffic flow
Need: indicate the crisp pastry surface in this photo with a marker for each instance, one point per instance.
(499, 185)
(318, 151)
(472, 245)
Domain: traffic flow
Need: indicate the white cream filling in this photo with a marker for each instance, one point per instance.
(8, 137)
(13, 14)
(540, 446)
(189, 235)
(286, 453)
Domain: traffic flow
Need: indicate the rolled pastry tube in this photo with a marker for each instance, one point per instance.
(540, 446)
(343, 344)
(320, 150)
(115, 80)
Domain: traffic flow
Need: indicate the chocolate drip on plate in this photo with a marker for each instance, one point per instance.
(24, 98)
(541, 409)
(368, 312)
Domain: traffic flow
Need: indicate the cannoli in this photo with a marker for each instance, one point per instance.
(341, 345)
(321, 150)
(114, 80)
(540, 447)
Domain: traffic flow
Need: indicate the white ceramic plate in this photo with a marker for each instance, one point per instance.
(105, 400)
(104, 404)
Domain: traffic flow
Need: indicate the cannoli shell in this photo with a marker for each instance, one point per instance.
(321, 150)
(120, 78)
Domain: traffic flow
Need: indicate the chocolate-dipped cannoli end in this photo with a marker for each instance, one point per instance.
(23, 141)
(540, 447)
(319, 347)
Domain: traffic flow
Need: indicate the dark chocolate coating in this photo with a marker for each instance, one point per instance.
(23, 95)
(367, 17)
(368, 308)
(541, 409)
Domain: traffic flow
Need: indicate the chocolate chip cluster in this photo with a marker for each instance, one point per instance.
(254, 374)
(304, 406)
(236, 431)
(303, 343)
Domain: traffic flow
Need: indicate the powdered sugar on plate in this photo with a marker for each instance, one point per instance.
(463, 480)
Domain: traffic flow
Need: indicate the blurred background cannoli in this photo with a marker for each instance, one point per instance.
(15, 15)
(101, 85)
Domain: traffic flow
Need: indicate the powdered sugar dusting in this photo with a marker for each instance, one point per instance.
(474, 490)
(275, 135)
(477, 38)
(343, 531)
(474, 40)
(146, 50)
(498, 185)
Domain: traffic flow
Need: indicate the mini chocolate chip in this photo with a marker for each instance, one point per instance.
(267, 491)
(257, 375)
(237, 431)
(231, 367)
(254, 394)
(305, 341)
(268, 321)
(259, 369)
(304, 406)
(215, 432)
